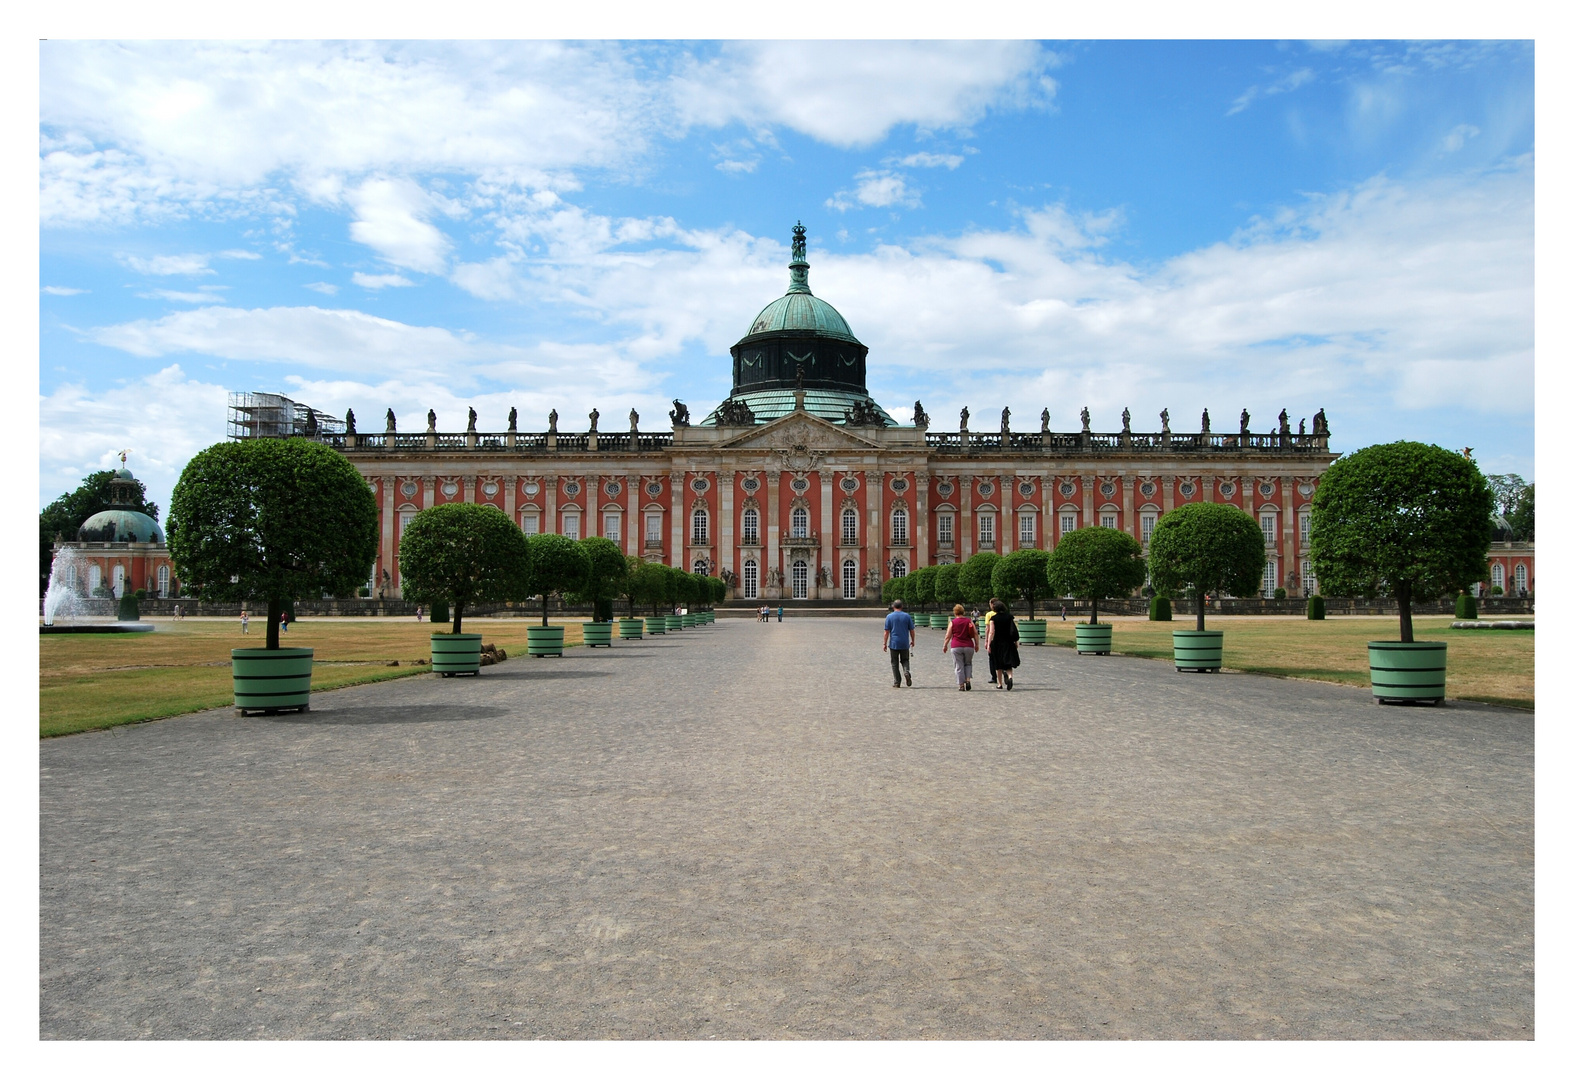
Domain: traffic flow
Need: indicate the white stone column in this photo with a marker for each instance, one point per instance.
(827, 554)
(634, 527)
(964, 517)
(1168, 483)
(1048, 522)
(549, 499)
(592, 525)
(726, 553)
(390, 495)
(1090, 483)
(1008, 502)
(679, 524)
(773, 547)
(874, 536)
(1128, 507)
(920, 522)
(511, 497)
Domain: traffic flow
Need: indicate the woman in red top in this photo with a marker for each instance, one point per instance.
(961, 641)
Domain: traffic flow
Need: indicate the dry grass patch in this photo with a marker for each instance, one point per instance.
(1496, 666)
(92, 681)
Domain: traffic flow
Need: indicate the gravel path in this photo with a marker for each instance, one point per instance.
(742, 831)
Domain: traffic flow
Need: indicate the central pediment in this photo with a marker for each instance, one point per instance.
(800, 429)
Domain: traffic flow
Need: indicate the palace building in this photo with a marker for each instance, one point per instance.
(799, 485)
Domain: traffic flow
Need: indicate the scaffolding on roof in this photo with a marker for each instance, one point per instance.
(274, 416)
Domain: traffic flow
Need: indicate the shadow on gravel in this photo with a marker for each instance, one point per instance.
(390, 714)
(536, 674)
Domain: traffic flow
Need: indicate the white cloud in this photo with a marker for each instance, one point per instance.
(876, 187)
(182, 297)
(379, 281)
(163, 418)
(166, 265)
(731, 166)
(926, 160)
(62, 290)
(1283, 85)
(323, 287)
(1456, 138)
(390, 218)
(238, 253)
(492, 280)
(851, 93)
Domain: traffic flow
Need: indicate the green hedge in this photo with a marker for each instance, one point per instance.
(1465, 607)
(1159, 609)
(1315, 608)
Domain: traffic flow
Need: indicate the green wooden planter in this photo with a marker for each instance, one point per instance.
(456, 654)
(598, 633)
(1033, 631)
(656, 624)
(544, 641)
(1408, 670)
(1095, 638)
(1198, 650)
(690, 621)
(939, 622)
(631, 628)
(710, 618)
(674, 622)
(267, 680)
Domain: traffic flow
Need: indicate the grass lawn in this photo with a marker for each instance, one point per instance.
(1496, 666)
(91, 681)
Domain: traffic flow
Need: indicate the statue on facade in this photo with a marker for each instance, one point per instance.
(1206, 424)
(595, 418)
(513, 419)
(431, 419)
(1087, 420)
(1164, 418)
(734, 411)
(774, 578)
(470, 426)
(392, 425)
(1043, 421)
(728, 578)
(1284, 422)
(823, 578)
(920, 418)
(964, 417)
(863, 414)
(552, 421)
(1005, 420)
(679, 414)
(1320, 423)
(798, 379)
(872, 579)
(1303, 426)
(1125, 421)
(349, 422)
(634, 421)
(1246, 418)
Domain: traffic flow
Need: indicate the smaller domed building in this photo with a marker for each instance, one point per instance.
(120, 548)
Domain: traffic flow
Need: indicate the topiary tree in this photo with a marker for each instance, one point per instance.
(1096, 564)
(1159, 609)
(1401, 519)
(718, 591)
(921, 586)
(1208, 547)
(607, 569)
(646, 584)
(893, 590)
(557, 565)
(266, 520)
(1316, 609)
(977, 577)
(677, 586)
(464, 554)
(948, 585)
(1024, 574)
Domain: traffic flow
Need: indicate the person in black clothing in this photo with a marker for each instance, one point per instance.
(1002, 644)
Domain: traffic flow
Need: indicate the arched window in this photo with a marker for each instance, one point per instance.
(1521, 578)
(898, 568)
(120, 580)
(849, 579)
(702, 567)
(95, 578)
(800, 579)
(1308, 578)
(751, 527)
(849, 526)
(899, 527)
(701, 526)
(1497, 575)
(800, 522)
(751, 580)
(163, 580)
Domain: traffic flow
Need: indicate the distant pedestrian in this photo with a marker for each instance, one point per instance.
(178, 615)
(899, 643)
(418, 613)
(989, 615)
(1001, 641)
(1062, 612)
(284, 622)
(778, 613)
(961, 641)
(245, 621)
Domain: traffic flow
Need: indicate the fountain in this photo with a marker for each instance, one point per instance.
(120, 523)
(61, 600)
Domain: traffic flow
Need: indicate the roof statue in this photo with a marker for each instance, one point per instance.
(864, 414)
(513, 419)
(964, 417)
(595, 417)
(920, 418)
(679, 414)
(1164, 418)
(471, 425)
(431, 419)
(392, 424)
(1320, 423)
(552, 422)
(634, 421)
(1043, 421)
(1005, 420)
(1284, 422)
(1206, 425)
(1246, 418)
(1125, 421)
(1087, 419)
(1303, 426)
(734, 411)
(349, 422)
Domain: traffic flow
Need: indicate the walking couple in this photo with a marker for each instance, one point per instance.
(1000, 645)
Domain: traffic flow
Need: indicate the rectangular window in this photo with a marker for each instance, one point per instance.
(1068, 523)
(751, 526)
(1108, 521)
(653, 530)
(943, 529)
(530, 522)
(1270, 577)
(986, 530)
(1148, 522)
(1306, 527)
(1308, 578)
(701, 527)
(1027, 531)
(571, 526)
(899, 528)
(1270, 529)
(612, 527)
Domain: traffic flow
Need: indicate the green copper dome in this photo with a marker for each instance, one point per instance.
(120, 527)
(802, 311)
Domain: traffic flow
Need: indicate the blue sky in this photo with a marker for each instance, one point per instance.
(1228, 225)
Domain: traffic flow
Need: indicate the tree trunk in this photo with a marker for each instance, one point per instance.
(1029, 607)
(1093, 621)
(275, 609)
(459, 614)
(1406, 629)
(543, 609)
(1202, 605)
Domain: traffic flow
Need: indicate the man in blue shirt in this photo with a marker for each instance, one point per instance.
(899, 643)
